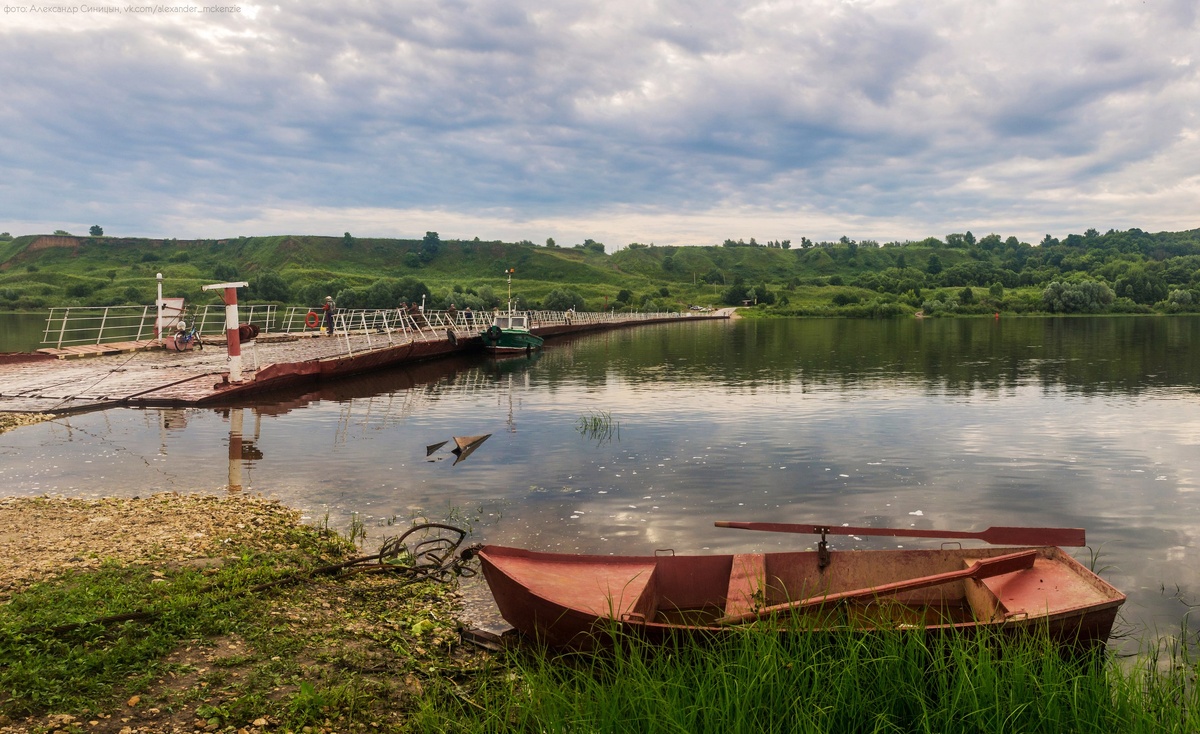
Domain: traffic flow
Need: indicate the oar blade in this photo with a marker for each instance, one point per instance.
(1063, 537)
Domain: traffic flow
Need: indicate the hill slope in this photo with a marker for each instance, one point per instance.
(1129, 271)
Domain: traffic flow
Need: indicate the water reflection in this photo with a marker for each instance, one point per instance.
(937, 424)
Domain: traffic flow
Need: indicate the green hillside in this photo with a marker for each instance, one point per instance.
(1126, 272)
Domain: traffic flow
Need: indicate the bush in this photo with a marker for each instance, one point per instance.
(563, 299)
(266, 287)
(349, 298)
(876, 308)
(1180, 300)
(1088, 296)
(936, 307)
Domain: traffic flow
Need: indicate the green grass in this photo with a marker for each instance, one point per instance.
(758, 682)
(61, 651)
(598, 425)
(369, 653)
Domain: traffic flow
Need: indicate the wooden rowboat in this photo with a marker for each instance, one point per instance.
(567, 600)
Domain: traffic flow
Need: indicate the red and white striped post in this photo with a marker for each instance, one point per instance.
(232, 339)
(158, 309)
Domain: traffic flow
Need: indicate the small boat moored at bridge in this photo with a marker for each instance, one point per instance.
(510, 330)
(510, 333)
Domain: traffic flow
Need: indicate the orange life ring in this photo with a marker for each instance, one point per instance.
(311, 320)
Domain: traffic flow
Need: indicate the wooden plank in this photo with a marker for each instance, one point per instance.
(983, 569)
(747, 582)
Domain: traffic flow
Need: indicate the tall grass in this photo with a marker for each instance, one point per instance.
(598, 425)
(889, 682)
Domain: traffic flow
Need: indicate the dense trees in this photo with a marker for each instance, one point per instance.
(1129, 271)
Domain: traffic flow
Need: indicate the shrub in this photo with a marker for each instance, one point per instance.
(1088, 296)
(563, 299)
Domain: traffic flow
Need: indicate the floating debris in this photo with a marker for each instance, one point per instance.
(463, 446)
(466, 445)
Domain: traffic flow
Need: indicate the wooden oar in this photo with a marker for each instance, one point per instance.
(983, 569)
(1071, 537)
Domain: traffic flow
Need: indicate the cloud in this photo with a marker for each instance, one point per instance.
(668, 121)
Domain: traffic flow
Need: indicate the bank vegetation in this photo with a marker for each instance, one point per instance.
(1128, 271)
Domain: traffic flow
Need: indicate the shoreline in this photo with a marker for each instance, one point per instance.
(390, 634)
(9, 421)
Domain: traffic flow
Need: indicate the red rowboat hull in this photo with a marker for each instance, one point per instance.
(575, 601)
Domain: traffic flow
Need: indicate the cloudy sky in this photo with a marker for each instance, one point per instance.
(664, 121)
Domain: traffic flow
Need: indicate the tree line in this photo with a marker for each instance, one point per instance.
(1128, 271)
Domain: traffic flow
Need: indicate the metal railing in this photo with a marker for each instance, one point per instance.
(76, 325)
(430, 324)
(72, 326)
(68, 326)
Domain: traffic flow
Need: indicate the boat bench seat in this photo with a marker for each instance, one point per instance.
(747, 581)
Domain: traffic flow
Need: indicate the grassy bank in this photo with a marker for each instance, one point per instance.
(219, 624)
(892, 682)
(226, 623)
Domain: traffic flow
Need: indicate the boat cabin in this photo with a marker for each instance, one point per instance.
(512, 321)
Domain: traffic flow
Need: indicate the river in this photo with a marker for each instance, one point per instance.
(638, 439)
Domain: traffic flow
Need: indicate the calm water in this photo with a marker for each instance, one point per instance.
(21, 332)
(954, 424)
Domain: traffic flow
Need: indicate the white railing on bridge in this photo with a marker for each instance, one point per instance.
(76, 325)
(431, 324)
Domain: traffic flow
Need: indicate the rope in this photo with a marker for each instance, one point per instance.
(103, 377)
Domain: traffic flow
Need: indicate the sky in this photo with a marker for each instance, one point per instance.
(672, 122)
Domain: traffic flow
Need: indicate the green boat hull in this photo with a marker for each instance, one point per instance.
(511, 340)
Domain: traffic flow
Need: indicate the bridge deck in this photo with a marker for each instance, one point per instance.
(146, 374)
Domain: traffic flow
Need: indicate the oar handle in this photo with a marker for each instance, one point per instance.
(1069, 537)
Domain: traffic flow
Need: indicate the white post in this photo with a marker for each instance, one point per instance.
(158, 305)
